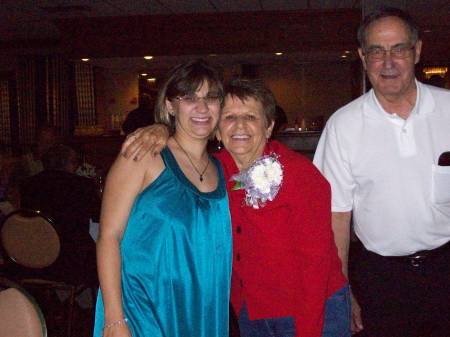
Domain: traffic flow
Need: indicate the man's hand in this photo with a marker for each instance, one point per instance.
(357, 324)
(151, 139)
(341, 229)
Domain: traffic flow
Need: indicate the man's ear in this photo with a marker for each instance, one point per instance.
(361, 56)
(417, 51)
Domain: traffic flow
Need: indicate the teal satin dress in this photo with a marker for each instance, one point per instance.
(176, 259)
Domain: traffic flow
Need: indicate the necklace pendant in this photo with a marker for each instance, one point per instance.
(200, 174)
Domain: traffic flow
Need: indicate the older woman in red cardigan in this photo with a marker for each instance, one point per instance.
(287, 279)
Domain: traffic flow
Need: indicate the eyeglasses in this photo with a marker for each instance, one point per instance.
(398, 52)
(212, 99)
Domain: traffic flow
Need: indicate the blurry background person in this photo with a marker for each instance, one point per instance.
(6, 206)
(46, 137)
(164, 250)
(71, 201)
(380, 153)
(141, 116)
(281, 120)
(436, 80)
(30, 162)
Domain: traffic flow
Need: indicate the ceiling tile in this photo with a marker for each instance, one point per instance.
(236, 5)
(187, 6)
(273, 5)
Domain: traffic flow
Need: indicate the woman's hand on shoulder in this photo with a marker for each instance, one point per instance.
(151, 139)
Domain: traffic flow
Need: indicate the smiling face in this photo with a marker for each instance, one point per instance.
(195, 119)
(244, 129)
(392, 78)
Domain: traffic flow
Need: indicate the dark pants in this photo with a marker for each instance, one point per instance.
(400, 297)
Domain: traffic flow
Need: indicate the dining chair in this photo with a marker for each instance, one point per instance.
(29, 240)
(20, 315)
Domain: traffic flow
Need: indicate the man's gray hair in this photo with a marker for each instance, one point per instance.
(384, 13)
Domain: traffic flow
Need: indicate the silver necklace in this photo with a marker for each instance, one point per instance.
(200, 173)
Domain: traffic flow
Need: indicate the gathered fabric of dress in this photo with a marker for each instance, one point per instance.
(176, 259)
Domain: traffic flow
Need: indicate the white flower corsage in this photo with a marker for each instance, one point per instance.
(261, 181)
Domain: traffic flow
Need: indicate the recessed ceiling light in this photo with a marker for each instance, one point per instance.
(344, 56)
(144, 74)
(151, 79)
(347, 51)
(278, 53)
(441, 71)
(148, 57)
(85, 60)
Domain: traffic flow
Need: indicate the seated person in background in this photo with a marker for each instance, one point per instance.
(3, 188)
(69, 200)
(46, 137)
(29, 162)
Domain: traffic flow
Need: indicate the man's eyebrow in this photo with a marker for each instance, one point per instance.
(373, 46)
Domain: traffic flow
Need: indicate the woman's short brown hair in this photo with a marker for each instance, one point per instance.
(244, 88)
(185, 79)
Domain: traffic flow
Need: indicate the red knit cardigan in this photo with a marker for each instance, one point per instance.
(285, 262)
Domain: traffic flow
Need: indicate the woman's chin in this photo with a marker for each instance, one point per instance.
(240, 153)
(203, 130)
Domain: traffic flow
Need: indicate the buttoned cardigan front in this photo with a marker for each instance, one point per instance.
(285, 262)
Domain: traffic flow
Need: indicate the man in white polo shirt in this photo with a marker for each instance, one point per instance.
(381, 154)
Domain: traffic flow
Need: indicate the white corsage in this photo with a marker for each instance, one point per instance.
(261, 181)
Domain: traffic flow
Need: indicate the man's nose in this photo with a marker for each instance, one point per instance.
(387, 59)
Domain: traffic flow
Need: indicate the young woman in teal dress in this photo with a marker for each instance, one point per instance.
(164, 250)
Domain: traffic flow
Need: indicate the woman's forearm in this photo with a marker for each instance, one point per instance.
(109, 271)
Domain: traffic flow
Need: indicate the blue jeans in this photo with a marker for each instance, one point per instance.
(336, 321)
(338, 313)
(270, 327)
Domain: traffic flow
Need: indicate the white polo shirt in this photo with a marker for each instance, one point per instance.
(384, 169)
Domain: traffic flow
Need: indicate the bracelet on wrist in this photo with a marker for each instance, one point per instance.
(122, 321)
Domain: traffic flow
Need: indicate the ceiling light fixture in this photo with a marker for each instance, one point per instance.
(148, 57)
(430, 71)
(144, 74)
(85, 60)
(278, 53)
(151, 79)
